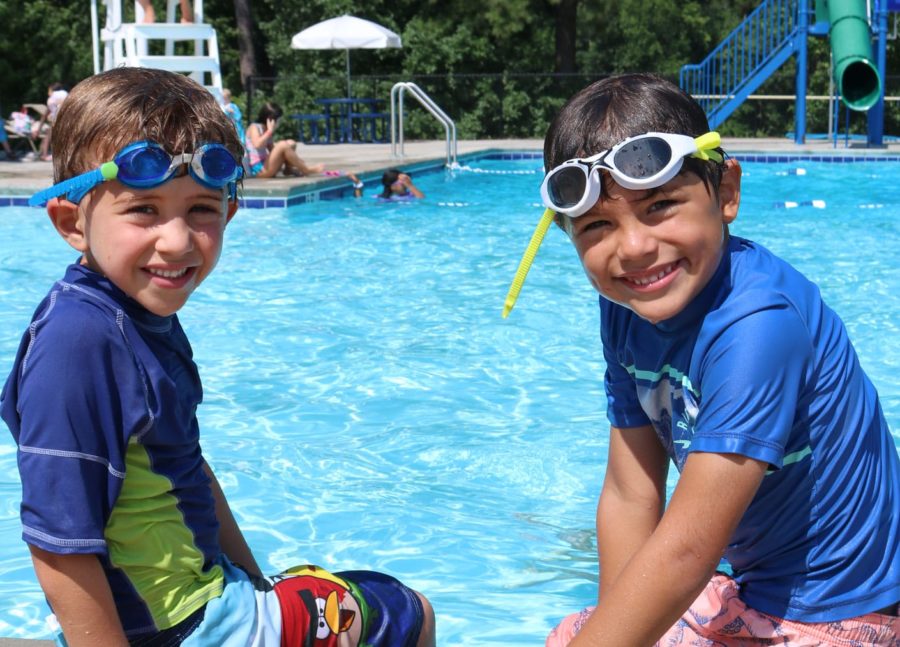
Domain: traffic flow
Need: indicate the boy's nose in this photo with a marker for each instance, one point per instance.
(175, 236)
(636, 241)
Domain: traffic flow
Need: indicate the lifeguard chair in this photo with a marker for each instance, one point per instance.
(127, 43)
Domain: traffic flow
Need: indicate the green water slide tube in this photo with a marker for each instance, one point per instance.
(855, 72)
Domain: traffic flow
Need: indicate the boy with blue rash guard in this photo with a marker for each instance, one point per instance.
(132, 538)
(724, 360)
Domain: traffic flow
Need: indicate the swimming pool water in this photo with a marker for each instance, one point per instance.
(366, 406)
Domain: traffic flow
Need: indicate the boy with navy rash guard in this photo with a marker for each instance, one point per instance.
(724, 360)
(132, 539)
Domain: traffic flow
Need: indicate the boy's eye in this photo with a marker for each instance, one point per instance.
(206, 212)
(595, 224)
(661, 205)
(142, 209)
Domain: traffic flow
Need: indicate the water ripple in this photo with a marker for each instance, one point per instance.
(365, 406)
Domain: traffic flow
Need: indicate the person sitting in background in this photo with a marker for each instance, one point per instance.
(187, 13)
(398, 186)
(56, 94)
(234, 113)
(266, 156)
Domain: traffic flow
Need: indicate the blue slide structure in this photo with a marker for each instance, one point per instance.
(779, 29)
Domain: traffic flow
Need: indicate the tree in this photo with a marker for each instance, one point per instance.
(566, 21)
(41, 42)
(490, 65)
(244, 21)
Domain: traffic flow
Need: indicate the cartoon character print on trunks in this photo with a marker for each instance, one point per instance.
(330, 611)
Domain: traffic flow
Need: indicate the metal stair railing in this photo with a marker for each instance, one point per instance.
(748, 56)
(397, 93)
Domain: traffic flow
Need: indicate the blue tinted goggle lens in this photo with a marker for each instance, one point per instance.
(218, 165)
(143, 167)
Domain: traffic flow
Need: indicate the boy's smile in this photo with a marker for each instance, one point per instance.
(156, 245)
(654, 251)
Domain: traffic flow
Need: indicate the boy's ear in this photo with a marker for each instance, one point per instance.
(69, 222)
(730, 190)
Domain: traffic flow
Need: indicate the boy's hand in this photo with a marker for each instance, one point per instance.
(77, 590)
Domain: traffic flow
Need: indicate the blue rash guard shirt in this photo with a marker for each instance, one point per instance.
(758, 365)
(101, 402)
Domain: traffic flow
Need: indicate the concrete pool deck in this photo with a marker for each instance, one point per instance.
(20, 179)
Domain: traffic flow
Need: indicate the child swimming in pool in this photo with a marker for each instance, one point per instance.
(131, 536)
(723, 359)
(398, 186)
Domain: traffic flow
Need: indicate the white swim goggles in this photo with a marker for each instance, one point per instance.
(642, 162)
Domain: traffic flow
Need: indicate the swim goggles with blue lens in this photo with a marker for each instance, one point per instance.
(146, 164)
(643, 162)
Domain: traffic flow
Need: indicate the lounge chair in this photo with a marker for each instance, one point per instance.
(20, 129)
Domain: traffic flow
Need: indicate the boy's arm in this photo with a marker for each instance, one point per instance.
(231, 539)
(632, 499)
(79, 595)
(667, 573)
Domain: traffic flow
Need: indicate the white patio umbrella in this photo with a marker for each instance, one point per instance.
(345, 32)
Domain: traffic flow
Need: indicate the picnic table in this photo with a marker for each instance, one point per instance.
(344, 120)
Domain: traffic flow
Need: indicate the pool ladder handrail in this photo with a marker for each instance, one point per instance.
(397, 119)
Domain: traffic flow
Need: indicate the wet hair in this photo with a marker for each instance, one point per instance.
(618, 107)
(270, 110)
(107, 111)
(387, 179)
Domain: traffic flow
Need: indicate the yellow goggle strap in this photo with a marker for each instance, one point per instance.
(527, 259)
(707, 145)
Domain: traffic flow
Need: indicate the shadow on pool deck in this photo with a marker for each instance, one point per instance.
(20, 642)
(369, 161)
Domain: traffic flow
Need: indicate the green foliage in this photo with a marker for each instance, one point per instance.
(488, 64)
(37, 48)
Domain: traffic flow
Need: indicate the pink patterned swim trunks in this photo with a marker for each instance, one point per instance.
(719, 617)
